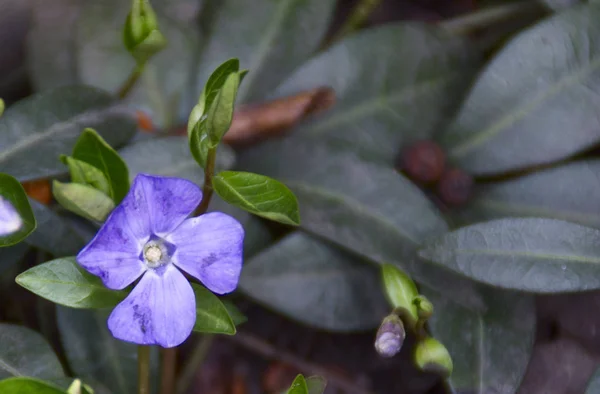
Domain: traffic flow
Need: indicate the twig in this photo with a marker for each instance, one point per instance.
(207, 190)
(143, 369)
(265, 349)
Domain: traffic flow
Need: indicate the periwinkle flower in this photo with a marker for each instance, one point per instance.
(390, 336)
(149, 235)
(10, 221)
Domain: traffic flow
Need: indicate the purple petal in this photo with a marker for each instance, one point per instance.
(169, 201)
(161, 310)
(10, 221)
(210, 247)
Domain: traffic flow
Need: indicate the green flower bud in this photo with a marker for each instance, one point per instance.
(400, 291)
(424, 307)
(140, 34)
(432, 356)
(390, 336)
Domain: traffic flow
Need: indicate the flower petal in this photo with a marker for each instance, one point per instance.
(168, 200)
(10, 221)
(210, 247)
(160, 310)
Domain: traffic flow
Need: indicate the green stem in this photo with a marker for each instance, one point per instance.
(131, 81)
(207, 190)
(358, 16)
(143, 369)
(483, 19)
(194, 363)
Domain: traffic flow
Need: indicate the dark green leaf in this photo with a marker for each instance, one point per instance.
(214, 84)
(258, 194)
(200, 143)
(517, 112)
(54, 234)
(170, 157)
(24, 352)
(412, 91)
(369, 209)
(269, 37)
(64, 282)
(23, 385)
(490, 345)
(83, 200)
(211, 315)
(94, 354)
(92, 149)
(47, 125)
(298, 386)
(316, 284)
(316, 384)
(220, 113)
(570, 192)
(87, 174)
(537, 255)
(234, 313)
(22, 220)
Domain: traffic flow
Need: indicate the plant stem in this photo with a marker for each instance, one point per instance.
(359, 14)
(195, 361)
(167, 376)
(207, 190)
(143, 369)
(484, 18)
(130, 82)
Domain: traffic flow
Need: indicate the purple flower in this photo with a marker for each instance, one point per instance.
(149, 235)
(10, 221)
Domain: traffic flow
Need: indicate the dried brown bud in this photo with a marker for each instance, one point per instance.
(423, 162)
(455, 188)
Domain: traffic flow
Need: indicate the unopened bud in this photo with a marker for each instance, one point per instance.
(432, 356)
(390, 336)
(140, 34)
(424, 307)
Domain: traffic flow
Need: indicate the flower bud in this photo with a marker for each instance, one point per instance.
(424, 307)
(432, 356)
(400, 291)
(140, 34)
(390, 336)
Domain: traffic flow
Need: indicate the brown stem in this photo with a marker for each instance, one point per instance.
(207, 190)
(167, 381)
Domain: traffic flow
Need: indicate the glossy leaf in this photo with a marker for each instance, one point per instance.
(95, 355)
(170, 156)
(54, 234)
(237, 317)
(220, 114)
(270, 38)
(369, 209)
(517, 112)
(46, 125)
(298, 386)
(408, 96)
(569, 192)
(86, 174)
(537, 255)
(14, 200)
(23, 385)
(211, 315)
(62, 281)
(490, 344)
(92, 149)
(83, 200)
(325, 288)
(258, 194)
(24, 352)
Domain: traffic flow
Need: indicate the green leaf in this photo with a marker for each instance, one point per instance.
(326, 288)
(401, 292)
(95, 355)
(86, 174)
(170, 156)
(537, 255)
(316, 384)
(64, 282)
(21, 385)
(366, 208)
(414, 89)
(220, 113)
(46, 125)
(258, 194)
(24, 352)
(517, 112)
(298, 386)
(569, 192)
(490, 344)
(92, 149)
(237, 317)
(211, 315)
(83, 200)
(432, 356)
(271, 38)
(54, 234)
(22, 220)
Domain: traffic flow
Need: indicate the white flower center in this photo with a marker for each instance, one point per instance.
(155, 254)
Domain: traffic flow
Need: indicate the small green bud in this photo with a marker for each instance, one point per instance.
(400, 291)
(432, 356)
(390, 336)
(140, 34)
(424, 307)
(1, 107)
